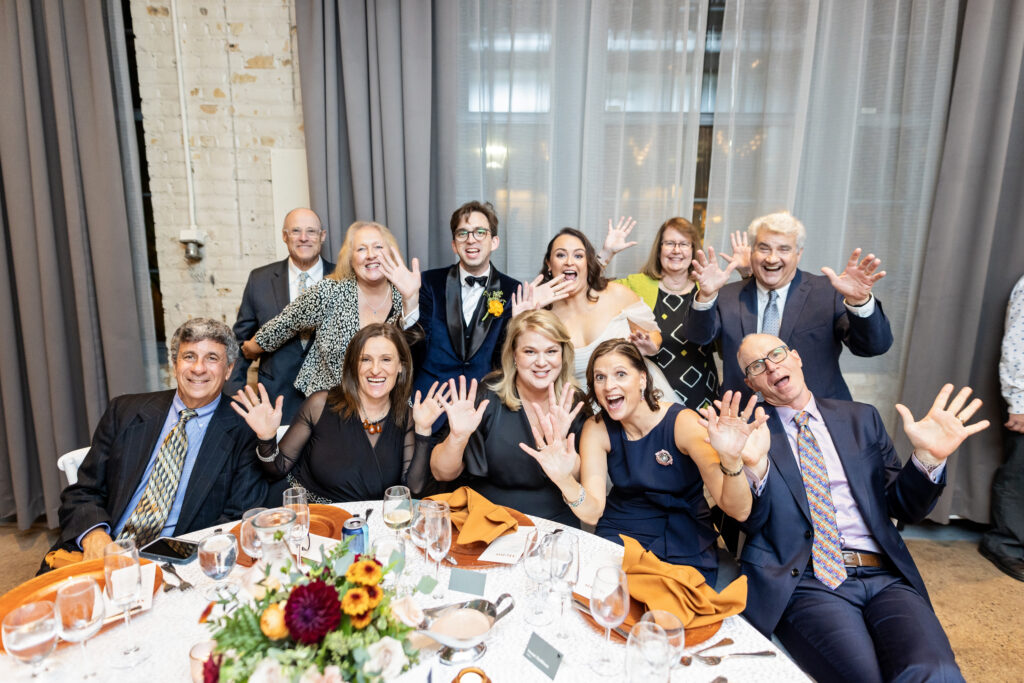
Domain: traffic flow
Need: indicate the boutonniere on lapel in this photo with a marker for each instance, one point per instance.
(495, 304)
(663, 457)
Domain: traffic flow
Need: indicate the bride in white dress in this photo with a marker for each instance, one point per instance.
(597, 309)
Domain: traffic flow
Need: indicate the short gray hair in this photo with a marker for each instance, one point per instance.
(782, 223)
(201, 329)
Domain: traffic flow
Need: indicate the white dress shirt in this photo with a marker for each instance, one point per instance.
(316, 274)
(471, 293)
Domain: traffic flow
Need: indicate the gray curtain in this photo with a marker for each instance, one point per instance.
(975, 249)
(67, 269)
(366, 74)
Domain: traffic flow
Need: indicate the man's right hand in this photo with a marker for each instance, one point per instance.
(710, 278)
(1016, 422)
(94, 543)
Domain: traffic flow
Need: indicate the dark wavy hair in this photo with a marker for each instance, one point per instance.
(636, 360)
(486, 208)
(344, 398)
(596, 281)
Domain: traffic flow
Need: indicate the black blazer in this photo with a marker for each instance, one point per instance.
(266, 295)
(224, 483)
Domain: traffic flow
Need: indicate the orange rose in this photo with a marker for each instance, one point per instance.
(272, 622)
(495, 308)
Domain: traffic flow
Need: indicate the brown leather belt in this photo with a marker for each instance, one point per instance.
(859, 558)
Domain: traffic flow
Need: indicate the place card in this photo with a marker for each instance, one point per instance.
(542, 655)
(467, 581)
(125, 576)
(426, 585)
(315, 543)
(509, 548)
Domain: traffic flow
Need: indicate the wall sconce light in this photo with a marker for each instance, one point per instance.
(193, 238)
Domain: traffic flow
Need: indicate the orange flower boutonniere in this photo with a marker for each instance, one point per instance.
(495, 304)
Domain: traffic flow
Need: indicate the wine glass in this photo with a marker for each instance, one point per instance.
(414, 532)
(537, 565)
(388, 549)
(674, 631)
(295, 499)
(397, 508)
(30, 633)
(648, 654)
(564, 552)
(437, 531)
(123, 585)
(80, 611)
(217, 556)
(250, 540)
(609, 605)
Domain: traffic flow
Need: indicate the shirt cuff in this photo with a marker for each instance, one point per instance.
(935, 475)
(757, 485)
(703, 305)
(411, 318)
(104, 526)
(863, 311)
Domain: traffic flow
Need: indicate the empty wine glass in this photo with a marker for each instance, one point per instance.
(388, 550)
(609, 605)
(414, 532)
(295, 499)
(80, 611)
(217, 556)
(249, 539)
(123, 584)
(648, 653)
(437, 531)
(30, 633)
(397, 508)
(564, 551)
(537, 565)
(674, 631)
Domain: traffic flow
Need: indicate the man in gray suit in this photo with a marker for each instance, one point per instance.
(168, 462)
(272, 287)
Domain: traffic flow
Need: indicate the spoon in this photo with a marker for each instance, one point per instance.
(712, 660)
(687, 659)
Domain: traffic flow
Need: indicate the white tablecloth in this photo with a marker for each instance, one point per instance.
(169, 630)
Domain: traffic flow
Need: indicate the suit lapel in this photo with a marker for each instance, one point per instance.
(748, 308)
(795, 300)
(482, 327)
(209, 463)
(280, 285)
(453, 311)
(140, 437)
(784, 461)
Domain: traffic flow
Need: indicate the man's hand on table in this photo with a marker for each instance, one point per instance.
(94, 543)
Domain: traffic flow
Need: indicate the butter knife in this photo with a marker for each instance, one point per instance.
(584, 607)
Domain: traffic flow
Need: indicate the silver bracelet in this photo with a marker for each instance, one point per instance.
(271, 458)
(579, 501)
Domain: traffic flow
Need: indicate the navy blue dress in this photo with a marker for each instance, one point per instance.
(662, 506)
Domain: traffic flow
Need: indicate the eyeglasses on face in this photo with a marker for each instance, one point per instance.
(757, 367)
(670, 245)
(304, 232)
(480, 234)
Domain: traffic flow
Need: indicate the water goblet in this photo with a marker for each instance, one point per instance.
(609, 605)
(122, 577)
(249, 539)
(437, 530)
(217, 556)
(648, 654)
(397, 508)
(674, 631)
(537, 565)
(564, 553)
(30, 633)
(390, 550)
(296, 499)
(80, 611)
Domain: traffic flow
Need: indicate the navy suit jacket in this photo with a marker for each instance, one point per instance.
(266, 295)
(815, 322)
(442, 352)
(779, 531)
(224, 483)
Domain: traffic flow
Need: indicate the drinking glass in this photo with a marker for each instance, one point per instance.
(414, 532)
(397, 508)
(437, 531)
(30, 633)
(123, 584)
(295, 499)
(609, 605)
(217, 556)
(537, 565)
(564, 552)
(648, 654)
(80, 611)
(386, 548)
(674, 631)
(250, 540)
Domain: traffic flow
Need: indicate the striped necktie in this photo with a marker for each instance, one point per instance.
(303, 286)
(826, 554)
(149, 516)
(771, 321)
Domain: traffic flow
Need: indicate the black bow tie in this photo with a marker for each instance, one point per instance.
(476, 280)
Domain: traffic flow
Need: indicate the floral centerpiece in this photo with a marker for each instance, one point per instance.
(332, 623)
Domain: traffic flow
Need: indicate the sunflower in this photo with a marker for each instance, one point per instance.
(375, 594)
(364, 572)
(356, 601)
(363, 620)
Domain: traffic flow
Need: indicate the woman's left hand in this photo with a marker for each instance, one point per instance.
(729, 429)
(426, 411)
(555, 454)
(643, 341)
(561, 410)
(406, 281)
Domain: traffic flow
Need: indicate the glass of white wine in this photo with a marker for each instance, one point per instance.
(397, 508)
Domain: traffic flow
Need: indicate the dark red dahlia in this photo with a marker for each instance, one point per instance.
(312, 611)
(211, 668)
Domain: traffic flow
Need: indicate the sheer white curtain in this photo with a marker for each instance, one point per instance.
(836, 110)
(570, 113)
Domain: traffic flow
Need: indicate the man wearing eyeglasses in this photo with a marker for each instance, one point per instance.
(269, 289)
(828, 572)
(813, 313)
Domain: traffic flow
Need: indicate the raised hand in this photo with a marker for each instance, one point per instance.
(740, 252)
(857, 279)
(555, 454)
(262, 415)
(730, 427)
(561, 410)
(943, 429)
(709, 276)
(615, 241)
(642, 340)
(426, 411)
(555, 289)
(463, 414)
(406, 281)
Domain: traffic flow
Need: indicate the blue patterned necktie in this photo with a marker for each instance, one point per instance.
(826, 553)
(149, 516)
(770, 323)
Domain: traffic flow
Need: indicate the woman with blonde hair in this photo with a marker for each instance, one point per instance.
(369, 285)
(534, 384)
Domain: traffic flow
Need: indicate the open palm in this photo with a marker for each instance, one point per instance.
(943, 429)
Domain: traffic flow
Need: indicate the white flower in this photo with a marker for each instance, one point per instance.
(268, 671)
(331, 674)
(386, 658)
(407, 611)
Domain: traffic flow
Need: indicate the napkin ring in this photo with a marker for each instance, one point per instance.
(663, 457)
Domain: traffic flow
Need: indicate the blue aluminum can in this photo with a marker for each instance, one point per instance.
(355, 529)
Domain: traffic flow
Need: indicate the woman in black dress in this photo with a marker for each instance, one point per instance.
(484, 432)
(357, 439)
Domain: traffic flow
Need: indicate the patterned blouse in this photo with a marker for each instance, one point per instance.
(331, 308)
(1011, 364)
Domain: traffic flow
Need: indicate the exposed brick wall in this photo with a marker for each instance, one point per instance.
(242, 97)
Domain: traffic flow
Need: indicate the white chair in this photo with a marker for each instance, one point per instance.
(69, 462)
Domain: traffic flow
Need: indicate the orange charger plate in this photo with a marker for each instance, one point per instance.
(324, 520)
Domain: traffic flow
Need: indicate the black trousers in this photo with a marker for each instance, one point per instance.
(1006, 538)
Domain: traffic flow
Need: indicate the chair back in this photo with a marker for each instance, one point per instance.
(69, 462)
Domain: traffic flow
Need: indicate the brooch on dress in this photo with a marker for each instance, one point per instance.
(663, 457)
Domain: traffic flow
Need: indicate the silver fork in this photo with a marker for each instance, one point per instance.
(182, 583)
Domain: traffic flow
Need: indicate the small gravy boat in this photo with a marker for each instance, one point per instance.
(462, 627)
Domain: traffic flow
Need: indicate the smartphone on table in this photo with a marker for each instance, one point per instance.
(170, 550)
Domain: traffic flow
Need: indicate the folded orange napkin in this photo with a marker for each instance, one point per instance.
(55, 559)
(679, 589)
(476, 518)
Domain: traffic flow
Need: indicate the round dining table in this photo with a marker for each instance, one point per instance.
(168, 630)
